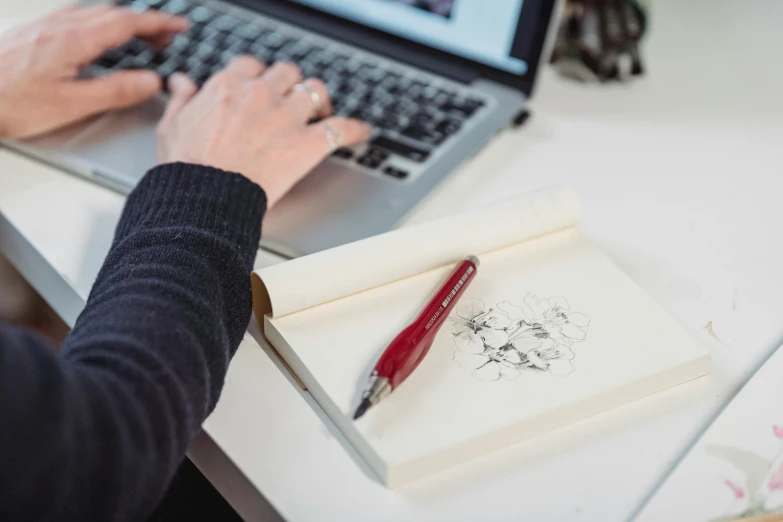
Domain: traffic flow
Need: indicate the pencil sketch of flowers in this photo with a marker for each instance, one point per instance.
(507, 340)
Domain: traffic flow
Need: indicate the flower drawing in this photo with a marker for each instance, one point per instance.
(775, 481)
(761, 492)
(507, 340)
(738, 492)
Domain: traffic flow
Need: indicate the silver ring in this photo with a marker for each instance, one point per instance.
(314, 96)
(333, 137)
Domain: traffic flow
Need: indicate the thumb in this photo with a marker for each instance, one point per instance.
(118, 90)
(182, 91)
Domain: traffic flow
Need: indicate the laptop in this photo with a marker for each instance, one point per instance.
(436, 79)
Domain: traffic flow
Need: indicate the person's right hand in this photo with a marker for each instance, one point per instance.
(251, 120)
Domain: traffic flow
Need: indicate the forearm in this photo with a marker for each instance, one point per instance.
(146, 360)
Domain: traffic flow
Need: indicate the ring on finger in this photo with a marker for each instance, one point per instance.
(334, 137)
(315, 98)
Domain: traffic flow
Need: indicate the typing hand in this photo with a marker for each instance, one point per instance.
(40, 62)
(253, 120)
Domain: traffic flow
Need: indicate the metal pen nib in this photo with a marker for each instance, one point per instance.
(379, 388)
(363, 407)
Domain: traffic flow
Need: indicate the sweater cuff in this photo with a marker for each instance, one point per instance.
(207, 198)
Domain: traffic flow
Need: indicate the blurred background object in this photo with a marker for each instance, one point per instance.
(21, 305)
(599, 40)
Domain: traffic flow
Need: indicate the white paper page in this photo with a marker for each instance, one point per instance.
(622, 343)
(338, 272)
(736, 468)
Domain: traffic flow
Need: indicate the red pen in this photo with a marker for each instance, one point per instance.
(408, 349)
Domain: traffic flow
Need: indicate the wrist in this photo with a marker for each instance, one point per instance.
(175, 195)
(202, 160)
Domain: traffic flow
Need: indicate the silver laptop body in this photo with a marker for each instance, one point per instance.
(467, 97)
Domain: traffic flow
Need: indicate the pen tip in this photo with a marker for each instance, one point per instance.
(363, 407)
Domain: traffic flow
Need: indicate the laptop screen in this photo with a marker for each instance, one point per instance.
(480, 30)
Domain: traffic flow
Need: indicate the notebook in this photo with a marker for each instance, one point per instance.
(549, 332)
(735, 470)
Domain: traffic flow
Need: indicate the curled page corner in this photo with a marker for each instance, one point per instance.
(319, 278)
(262, 303)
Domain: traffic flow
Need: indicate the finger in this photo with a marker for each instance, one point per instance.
(182, 91)
(311, 147)
(161, 41)
(245, 66)
(281, 77)
(86, 13)
(309, 101)
(119, 25)
(322, 141)
(115, 91)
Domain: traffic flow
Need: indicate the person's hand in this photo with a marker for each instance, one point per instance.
(254, 121)
(39, 87)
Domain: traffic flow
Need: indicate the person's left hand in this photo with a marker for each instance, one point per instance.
(40, 62)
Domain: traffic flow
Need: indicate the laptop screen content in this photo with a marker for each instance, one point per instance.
(480, 30)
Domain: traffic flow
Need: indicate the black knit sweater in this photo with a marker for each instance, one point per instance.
(97, 431)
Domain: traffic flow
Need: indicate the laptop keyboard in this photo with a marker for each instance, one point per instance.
(412, 115)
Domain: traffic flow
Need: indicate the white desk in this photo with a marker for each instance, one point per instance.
(680, 175)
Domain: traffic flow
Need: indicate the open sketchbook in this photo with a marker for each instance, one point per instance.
(735, 470)
(549, 332)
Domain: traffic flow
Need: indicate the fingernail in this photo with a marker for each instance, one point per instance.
(178, 81)
(148, 79)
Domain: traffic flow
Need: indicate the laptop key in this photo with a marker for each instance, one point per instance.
(238, 45)
(377, 154)
(448, 126)
(298, 52)
(197, 71)
(135, 47)
(421, 118)
(248, 32)
(322, 57)
(428, 93)
(338, 64)
(169, 68)
(264, 55)
(308, 69)
(202, 14)
(272, 40)
(183, 40)
(142, 60)
(194, 63)
(205, 49)
(395, 172)
(391, 122)
(441, 100)
(343, 153)
(415, 153)
(369, 162)
(110, 58)
(139, 6)
(461, 106)
(353, 66)
(226, 57)
(419, 133)
(176, 7)
(226, 23)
